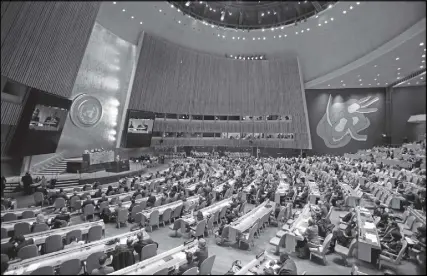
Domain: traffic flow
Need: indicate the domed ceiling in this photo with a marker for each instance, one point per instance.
(251, 15)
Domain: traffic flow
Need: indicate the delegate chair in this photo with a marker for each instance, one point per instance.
(166, 216)
(28, 214)
(206, 266)
(154, 220)
(28, 252)
(22, 228)
(94, 233)
(45, 270)
(70, 267)
(390, 258)
(9, 217)
(191, 271)
(345, 252)
(53, 243)
(148, 251)
(320, 252)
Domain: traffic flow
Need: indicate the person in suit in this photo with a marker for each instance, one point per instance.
(27, 180)
(87, 202)
(151, 200)
(98, 193)
(123, 255)
(201, 252)
(21, 242)
(142, 242)
(188, 265)
(286, 265)
(104, 268)
(133, 203)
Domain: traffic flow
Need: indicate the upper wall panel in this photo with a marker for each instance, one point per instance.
(42, 43)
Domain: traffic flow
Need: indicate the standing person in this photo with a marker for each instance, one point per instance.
(3, 185)
(27, 180)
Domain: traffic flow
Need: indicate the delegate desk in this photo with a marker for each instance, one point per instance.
(147, 183)
(40, 237)
(300, 224)
(314, 192)
(352, 197)
(9, 225)
(282, 189)
(171, 259)
(127, 204)
(368, 235)
(208, 211)
(191, 200)
(246, 221)
(13, 203)
(18, 212)
(82, 252)
(256, 266)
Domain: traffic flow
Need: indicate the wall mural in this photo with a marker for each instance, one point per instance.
(344, 121)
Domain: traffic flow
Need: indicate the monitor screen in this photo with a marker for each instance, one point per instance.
(139, 129)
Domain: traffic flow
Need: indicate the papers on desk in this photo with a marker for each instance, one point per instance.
(369, 225)
(371, 237)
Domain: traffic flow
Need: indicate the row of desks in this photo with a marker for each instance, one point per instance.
(82, 252)
(368, 235)
(40, 237)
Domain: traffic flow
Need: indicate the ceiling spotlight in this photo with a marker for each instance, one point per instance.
(268, 12)
(360, 79)
(233, 37)
(260, 57)
(262, 14)
(369, 84)
(256, 57)
(342, 81)
(132, 17)
(422, 66)
(274, 13)
(243, 38)
(308, 29)
(375, 79)
(114, 3)
(320, 24)
(282, 28)
(332, 19)
(235, 57)
(378, 75)
(423, 61)
(330, 6)
(398, 68)
(263, 38)
(123, 10)
(286, 35)
(344, 12)
(423, 56)
(343, 84)
(326, 21)
(375, 65)
(317, 16)
(302, 31)
(361, 84)
(397, 58)
(422, 44)
(329, 85)
(253, 38)
(214, 10)
(378, 83)
(238, 37)
(409, 83)
(171, 6)
(274, 36)
(280, 36)
(140, 23)
(357, 3)
(160, 10)
(421, 78)
(244, 58)
(210, 9)
(259, 38)
(398, 78)
(398, 73)
(223, 36)
(417, 82)
(351, 7)
(262, 30)
(188, 3)
(179, 21)
(296, 33)
(272, 29)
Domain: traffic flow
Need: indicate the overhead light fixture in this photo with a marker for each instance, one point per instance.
(114, 3)
(329, 85)
(351, 7)
(398, 68)
(132, 17)
(171, 6)
(262, 14)
(308, 29)
(375, 79)
(360, 79)
(343, 84)
(280, 36)
(233, 37)
(330, 6)
(378, 75)
(378, 83)
(282, 28)
(253, 38)
(342, 81)
(369, 84)
(332, 19)
(123, 10)
(423, 56)
(326, 21)
(344, 12)
(397, 58)
(188, 3)
(268, 12)
(263, 38)
(357, 3)
(160, 10)
(361, 84)
(375, 65)
(320, 24)
(140, 23)
(422, 44)
(179, 21)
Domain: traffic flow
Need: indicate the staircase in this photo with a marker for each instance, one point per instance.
(56, 168)
(64, 183)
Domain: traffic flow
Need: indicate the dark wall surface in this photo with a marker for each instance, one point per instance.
(406, 101)
(345, 116)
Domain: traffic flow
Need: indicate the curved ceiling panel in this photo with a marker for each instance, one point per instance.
(335, 38)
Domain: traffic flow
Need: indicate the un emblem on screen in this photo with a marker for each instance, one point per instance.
(86, 111)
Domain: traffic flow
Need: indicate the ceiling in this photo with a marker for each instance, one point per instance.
(334, 48)
(250, 15)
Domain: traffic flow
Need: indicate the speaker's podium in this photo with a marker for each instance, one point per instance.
(118, 166)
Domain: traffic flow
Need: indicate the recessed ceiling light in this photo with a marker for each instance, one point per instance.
(409, 83)
(243, 38)
(114, 3)
(280, 36)
(253, 38)
(123, 10)
(398, 68)
(179, 21)
(357, 3)
(320, 24)
(263, 38)
(160, 10)
(344, 12)
(398, 78)
(332, 19)
(308, 29)
(378, 83)
(329, 85)
(398, 73)
(422, 66)
(422, 44)
(378, 75)
(343, 84)
(132, 17)
(423, 56)
(361, 84)
(342, 81)
(351, 7)
(282, 28)
(302, 31)
(330, 6)
(423, 61)
(397, 58)
(263, 30)
(223, 36)
(171, 6)
(369, 84)
(375, 65)
(285, 35)
(360, 79)
(259, 38)
(326, 21)
(375, 79)
(233, 37)
(421, 78)
(296, 33)
(140, 23)
(417, 82)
